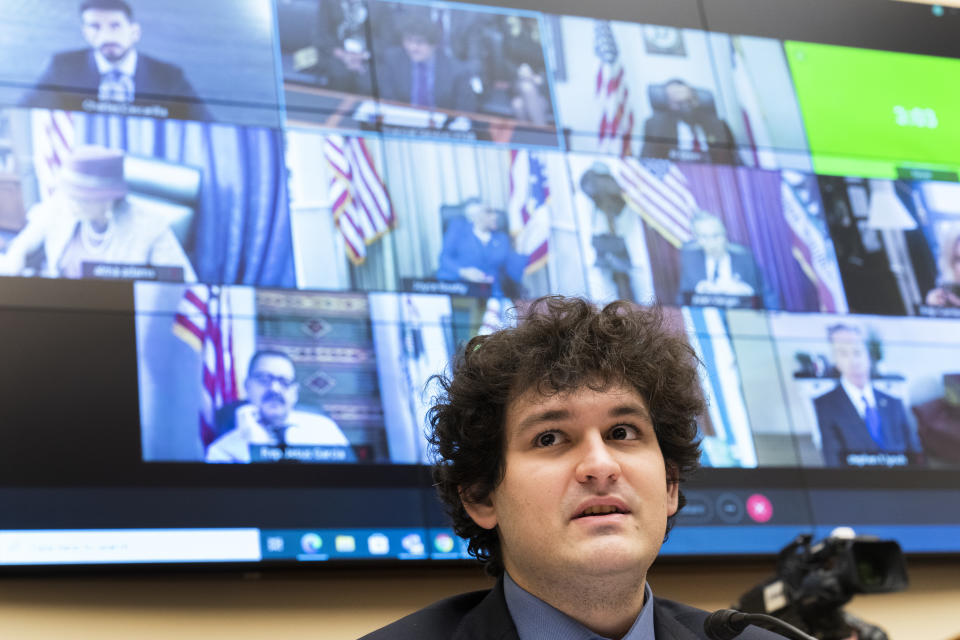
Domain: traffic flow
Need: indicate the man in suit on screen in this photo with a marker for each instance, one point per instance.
(113, 71)
(560, 446)
(711, 264)
(857, 420)
(683, 128)
(419, 73)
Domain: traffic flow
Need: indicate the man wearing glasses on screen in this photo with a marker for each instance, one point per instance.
(560, 446)
(268, 418)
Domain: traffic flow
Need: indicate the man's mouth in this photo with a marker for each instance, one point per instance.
(600, 510)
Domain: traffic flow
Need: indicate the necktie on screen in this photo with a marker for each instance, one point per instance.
(872, 418)
(420, 94)
(280, 433)
(115, 86)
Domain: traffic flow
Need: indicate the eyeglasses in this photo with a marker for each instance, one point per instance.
(267, 380)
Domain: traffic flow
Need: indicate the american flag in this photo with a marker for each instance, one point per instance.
(811, 247)
(53, 142)
(611, 91)
(361, 205)
(205, 322)
(659, 192)
(528, 207)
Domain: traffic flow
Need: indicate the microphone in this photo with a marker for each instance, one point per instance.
(726, 624)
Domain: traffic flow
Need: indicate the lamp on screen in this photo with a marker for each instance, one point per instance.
(885, 211)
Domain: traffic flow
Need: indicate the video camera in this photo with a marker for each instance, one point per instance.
(813, 582)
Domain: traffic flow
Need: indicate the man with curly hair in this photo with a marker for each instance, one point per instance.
(560, 446)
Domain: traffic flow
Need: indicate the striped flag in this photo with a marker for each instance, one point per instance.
(205, 322)
(615, 128)
(53, 141)
(660, 193)
(361, 205)
(732, 443)
(528, 208)
(811, 248)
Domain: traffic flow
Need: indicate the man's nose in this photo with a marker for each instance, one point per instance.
(597, 463)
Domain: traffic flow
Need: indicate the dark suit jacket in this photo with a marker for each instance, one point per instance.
(660, 137)
(483, 615)
(451, 89)
(843, 431)
(693, 269)
(72, 77)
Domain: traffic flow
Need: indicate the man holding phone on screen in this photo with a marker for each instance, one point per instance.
(560, 446)
(113, 70)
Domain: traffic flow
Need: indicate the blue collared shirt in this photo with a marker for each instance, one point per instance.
(535, 619)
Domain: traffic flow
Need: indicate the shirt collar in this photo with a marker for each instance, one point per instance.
(857, 396)
(534, 618)
(127, 66)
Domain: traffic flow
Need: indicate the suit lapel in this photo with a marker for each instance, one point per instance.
(142, 77)
(858, 439)
(489, 620)
(886, 410)
(667, 626)
(92, 73)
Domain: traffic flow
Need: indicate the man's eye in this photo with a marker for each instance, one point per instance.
(547, 439)
(624, 432)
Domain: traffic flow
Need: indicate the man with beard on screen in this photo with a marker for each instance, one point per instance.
(113, 70)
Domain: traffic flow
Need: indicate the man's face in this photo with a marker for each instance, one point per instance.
(418, 48)
(272, 388)
(851, 357)
(482, 217)
(487, 219)
(110, 32)
(711, 236)
(681, 98)
(585, 490)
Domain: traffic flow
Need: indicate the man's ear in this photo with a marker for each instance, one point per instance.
(482, 512)
(673, 489)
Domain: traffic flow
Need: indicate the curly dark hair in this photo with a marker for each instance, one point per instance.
(559, 345)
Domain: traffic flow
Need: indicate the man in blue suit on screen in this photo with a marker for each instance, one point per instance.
(560, 446)
(859, 424)
(114, 72)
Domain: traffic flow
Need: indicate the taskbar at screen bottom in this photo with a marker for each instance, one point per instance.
(63, 547)
(55, 547)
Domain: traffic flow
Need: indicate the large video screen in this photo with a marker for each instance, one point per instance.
(239, 240)
(879, 114)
